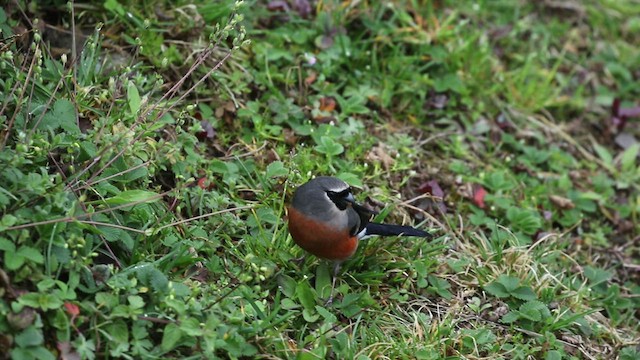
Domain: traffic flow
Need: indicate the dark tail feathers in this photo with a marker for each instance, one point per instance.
(391, 230)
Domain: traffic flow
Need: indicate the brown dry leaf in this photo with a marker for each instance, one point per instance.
(67, 352)
(562, 202)
(327, 104)
(311, 78)
(379, 154)
(290, 137)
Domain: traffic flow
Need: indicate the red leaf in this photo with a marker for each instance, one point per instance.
(204, 183)
(478, 196)
(619, 115)
(432, 187)
(208, 132)
(72, 308)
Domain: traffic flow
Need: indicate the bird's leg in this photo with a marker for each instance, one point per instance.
(336, 269)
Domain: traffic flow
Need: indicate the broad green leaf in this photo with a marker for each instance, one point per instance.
(133, 97)
(170, 337)
(328, 316)
(31, 254)
(62, 116)
(596, 275)
(7, 246)
(323, 281)
(497, 289)
(532, 310)
(289, 304)
(8, 220)
(328, 146)
(510, 282)
(553, 355)
(351, 179)
(510, 317)
(133, 196)
(13, 261)
(310, 315)
(118, 331)
(604, 154)
(450, 81)
(523, 293)
(135, 301)
(191, 326)
(117, 235)
(287, 285)
(629, 157)
(29, 337)
(276, 168)
(305, 295)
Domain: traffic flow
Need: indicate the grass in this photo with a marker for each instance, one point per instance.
(145, 171)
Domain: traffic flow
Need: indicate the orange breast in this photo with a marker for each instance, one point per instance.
(321, 240)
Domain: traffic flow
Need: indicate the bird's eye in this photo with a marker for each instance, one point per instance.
(340, 198)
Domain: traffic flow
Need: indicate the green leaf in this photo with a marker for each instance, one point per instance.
(13, 261)
(170, 337)
(597, 276)
(553, 355)
(115, 6)
(31, 254)
(510, 282)
(135, 301)
(62, 116)
(523, 293)
(351, 179)
(523, 220)
(191, 326)
(119, 331)
(532, 310)
(604, 154)
(305, 295)
(287, 285)
(8, 220)
(510, 317)
(7, 245)
(497, 289)
(107, 300)
(112, 234)
(133, 97)
(328, 316)
(323, 281)
(629, 157)
(49, 302)
(440, 286)
(329, 147)
(289, 304)
(276, 169)
(29, 337)
(531, 314)
(310, 316)
(133, 196)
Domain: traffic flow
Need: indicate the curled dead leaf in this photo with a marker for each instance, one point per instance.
(562, 202)
(379, 153)
(327, 104)
(311, 78)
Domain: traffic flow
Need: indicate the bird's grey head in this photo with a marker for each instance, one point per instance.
(322, 197)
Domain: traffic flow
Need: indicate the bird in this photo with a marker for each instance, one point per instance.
(325, 220)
